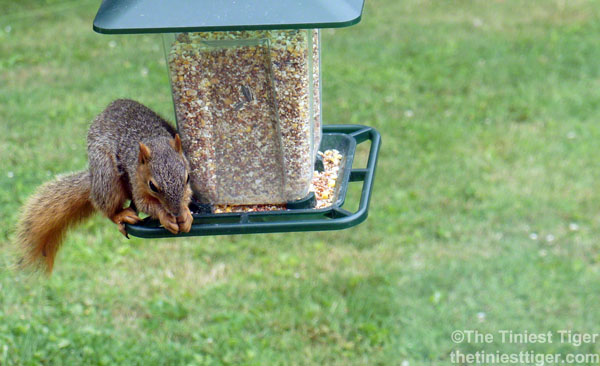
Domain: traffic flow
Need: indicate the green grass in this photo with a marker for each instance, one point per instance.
(488, 112)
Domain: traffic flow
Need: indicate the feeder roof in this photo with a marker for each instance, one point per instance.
(160, 16)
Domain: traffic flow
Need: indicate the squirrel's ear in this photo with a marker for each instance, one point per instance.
(144, 153)
(176, 143)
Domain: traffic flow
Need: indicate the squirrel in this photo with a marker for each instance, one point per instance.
(134, 155)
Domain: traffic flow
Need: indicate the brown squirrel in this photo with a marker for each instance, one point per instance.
(134, 155)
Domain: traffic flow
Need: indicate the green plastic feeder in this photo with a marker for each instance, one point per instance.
(246, 83)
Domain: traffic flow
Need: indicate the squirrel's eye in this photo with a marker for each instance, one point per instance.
(153, 187)
(187, 180)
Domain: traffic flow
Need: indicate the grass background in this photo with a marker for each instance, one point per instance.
(484, 215)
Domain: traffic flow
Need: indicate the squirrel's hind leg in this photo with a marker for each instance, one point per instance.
(108, 190)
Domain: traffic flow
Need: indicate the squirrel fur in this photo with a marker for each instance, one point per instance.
(134, 155)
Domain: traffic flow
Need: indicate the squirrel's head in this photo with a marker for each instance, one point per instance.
(163, 173)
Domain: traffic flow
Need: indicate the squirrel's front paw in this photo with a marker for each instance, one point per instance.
(169, 222)
(185, 221)
(128, 216)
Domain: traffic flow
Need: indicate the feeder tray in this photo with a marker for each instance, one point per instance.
(297, 216)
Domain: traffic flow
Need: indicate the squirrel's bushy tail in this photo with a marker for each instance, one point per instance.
(47, 215)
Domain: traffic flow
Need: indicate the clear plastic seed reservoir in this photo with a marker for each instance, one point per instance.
(248, 108)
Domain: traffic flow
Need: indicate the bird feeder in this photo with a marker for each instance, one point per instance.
(246, 86)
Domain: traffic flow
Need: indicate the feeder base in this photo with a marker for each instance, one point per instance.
(343, 138)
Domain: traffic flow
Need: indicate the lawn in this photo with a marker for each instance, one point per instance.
(485, 213)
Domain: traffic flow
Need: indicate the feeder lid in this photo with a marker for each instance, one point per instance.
(160, 16)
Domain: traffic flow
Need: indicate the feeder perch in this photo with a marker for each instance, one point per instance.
(246, 84)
